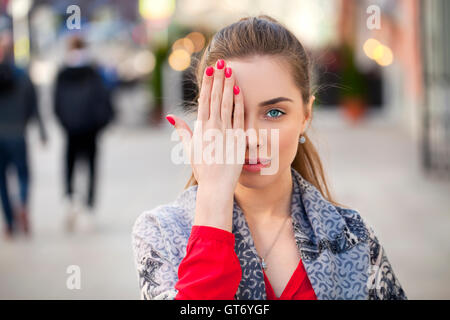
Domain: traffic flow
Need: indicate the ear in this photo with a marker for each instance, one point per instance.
(309, 107)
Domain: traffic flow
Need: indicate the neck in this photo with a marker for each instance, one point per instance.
(271, 201)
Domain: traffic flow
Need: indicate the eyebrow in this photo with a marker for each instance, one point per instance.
(273, 101)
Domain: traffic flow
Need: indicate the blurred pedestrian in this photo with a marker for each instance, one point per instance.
(18, 104)
(83, 107)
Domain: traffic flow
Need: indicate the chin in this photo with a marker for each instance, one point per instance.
(255, 180)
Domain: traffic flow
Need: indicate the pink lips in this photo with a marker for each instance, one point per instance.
(261, 163)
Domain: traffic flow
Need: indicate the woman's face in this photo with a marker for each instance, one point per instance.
(263, 79)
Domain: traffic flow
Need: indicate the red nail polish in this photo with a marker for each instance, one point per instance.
(171, 120)
(228, 72)
(236, 90)
(220, 64)
(209, 71)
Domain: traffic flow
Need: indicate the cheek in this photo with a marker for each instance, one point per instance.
(287, 144)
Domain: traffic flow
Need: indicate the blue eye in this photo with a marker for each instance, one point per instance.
(275, 113)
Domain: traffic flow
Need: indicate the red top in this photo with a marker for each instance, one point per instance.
(211, 270)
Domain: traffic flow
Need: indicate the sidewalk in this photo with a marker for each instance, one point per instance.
(135, 175)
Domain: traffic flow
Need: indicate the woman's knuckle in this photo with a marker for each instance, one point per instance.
(226, 104)
(216, 97)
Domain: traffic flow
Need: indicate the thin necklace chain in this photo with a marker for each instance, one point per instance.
(263, 262)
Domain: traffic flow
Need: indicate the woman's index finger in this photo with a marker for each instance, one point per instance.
(205, 94)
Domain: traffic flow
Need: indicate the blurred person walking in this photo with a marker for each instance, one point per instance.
(82, 104)
(18, 104)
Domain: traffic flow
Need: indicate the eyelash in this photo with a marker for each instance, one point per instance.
(281, 113)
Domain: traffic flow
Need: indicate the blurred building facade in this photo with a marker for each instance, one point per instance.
(436, 65)
(373, 57)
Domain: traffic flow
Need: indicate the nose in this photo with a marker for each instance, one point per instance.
(252, 132)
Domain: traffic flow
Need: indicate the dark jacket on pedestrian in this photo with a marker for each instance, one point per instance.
(18, 102)
(82, 101)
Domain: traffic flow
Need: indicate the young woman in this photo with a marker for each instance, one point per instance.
(236, 233)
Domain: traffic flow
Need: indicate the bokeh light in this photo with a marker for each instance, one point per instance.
(156, 9)
(380, 53)
(179, 60)
(197, 39)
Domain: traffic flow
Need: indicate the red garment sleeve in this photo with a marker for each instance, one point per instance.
(211, 269)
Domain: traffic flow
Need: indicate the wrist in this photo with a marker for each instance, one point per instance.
(215, 192)
(214, 208)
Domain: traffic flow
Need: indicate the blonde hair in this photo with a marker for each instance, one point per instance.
(263, 35)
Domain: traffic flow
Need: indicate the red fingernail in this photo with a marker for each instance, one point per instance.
(171, 120)
(209, 71)
(236, 90)
(220, 64)
(228, 72)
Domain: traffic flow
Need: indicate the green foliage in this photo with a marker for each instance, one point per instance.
(352, 81)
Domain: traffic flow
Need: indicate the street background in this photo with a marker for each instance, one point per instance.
(391, 162)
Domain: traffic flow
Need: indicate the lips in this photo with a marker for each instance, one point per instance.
(258, 161)
(256, 167)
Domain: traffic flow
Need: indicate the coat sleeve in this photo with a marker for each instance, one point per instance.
(156, 272)
(382, 282)
(211, 269)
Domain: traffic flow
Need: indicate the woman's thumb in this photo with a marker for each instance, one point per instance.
(183, 130)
